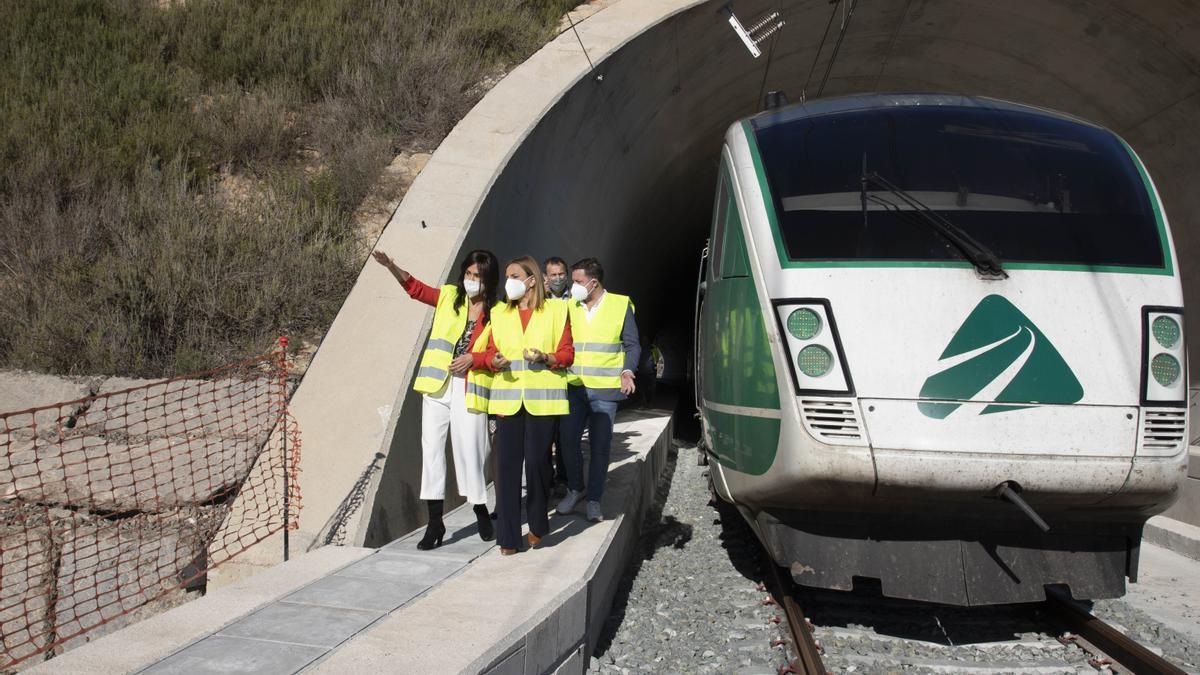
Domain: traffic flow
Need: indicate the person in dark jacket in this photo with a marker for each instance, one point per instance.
(602, 374)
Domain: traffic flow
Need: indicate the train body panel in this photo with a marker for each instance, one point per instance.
(941, 384)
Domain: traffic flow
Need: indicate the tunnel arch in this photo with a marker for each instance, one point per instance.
(622, 167)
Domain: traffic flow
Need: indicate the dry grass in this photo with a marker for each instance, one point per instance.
(118, 119)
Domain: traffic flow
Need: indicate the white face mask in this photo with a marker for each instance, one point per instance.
(578, 293)
(515, 289)
(472, 287)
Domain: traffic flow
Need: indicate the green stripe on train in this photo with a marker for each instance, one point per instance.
(738, 367)
(742, 443)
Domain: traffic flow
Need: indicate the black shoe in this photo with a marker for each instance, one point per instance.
(436, 528)
(486, 531)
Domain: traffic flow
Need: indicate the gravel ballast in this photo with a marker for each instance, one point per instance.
(691, 602)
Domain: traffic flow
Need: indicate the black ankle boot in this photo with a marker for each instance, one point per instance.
(486, 532)
(436, 529)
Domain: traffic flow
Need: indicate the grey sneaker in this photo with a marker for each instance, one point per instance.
(568, 503)
(593, 512)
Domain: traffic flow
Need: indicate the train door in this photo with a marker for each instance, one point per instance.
(708, 275)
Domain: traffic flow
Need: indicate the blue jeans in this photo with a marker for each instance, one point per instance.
(599, 417)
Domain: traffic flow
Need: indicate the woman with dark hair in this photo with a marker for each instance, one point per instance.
(454, 378)
(529, 349)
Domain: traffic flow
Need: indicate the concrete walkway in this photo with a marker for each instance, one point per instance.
(288, 634)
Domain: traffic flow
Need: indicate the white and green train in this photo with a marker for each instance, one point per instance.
(940, 345)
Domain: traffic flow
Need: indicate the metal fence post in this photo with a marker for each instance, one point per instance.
(287, 507)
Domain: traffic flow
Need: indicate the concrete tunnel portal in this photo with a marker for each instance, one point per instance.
(623, 167)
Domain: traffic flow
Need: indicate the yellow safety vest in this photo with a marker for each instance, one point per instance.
(448, 326)
(599, 357)
(542, 390)
(479, 382)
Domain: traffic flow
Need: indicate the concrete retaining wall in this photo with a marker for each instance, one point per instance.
(564, 635)
(1187, 509)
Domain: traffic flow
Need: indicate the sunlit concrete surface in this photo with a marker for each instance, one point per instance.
(555, 160)
(144, 643)
(1168, 590)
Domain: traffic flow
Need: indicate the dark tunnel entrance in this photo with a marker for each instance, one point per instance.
(623, 167)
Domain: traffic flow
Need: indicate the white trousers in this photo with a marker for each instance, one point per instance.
(446, 410)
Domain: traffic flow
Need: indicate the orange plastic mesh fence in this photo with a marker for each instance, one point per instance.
(117, 501)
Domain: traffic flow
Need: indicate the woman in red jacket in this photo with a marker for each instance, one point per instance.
(462, 311)
(530, 348)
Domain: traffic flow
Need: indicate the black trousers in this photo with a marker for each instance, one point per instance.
(559, 469)
(522, 439)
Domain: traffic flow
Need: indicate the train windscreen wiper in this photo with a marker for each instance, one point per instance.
(984, 260)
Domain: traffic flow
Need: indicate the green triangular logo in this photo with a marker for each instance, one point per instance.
(999, 348)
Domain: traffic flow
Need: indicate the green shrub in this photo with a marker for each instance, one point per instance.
(119, 249)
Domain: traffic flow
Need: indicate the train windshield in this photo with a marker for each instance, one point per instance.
(1032, 188)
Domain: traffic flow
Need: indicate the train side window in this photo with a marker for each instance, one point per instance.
(734, 260)
(719, 216)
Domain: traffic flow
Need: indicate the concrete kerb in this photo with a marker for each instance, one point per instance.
(1173, 535)
(548, 650)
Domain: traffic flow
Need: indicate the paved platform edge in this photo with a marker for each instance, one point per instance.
(598, 585)
(143, 643)
(1173, 535)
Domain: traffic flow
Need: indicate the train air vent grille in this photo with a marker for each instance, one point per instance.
(832, 421)
(1163, 432)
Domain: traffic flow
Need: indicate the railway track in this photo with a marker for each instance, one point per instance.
(1089, 639)
(804, 644)
(1108, 646)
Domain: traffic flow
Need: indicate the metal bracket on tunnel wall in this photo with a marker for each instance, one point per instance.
(760, 30)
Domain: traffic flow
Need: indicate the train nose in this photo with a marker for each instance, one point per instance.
(1067, 454)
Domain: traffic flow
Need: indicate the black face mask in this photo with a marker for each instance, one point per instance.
(557, 286)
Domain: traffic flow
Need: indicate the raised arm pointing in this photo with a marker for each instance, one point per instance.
(386, 260)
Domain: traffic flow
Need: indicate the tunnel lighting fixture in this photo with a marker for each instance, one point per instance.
(760, 30)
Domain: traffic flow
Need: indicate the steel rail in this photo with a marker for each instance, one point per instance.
(1119, 647)
(808, 654)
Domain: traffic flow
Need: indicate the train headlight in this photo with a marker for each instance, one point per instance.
(1166, 331)
(812, 346)
(814, 361)
(804, 324)
(1164, 357)
(1164, 368)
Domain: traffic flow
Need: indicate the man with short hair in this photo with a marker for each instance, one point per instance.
(557, 282)
(606, 355)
